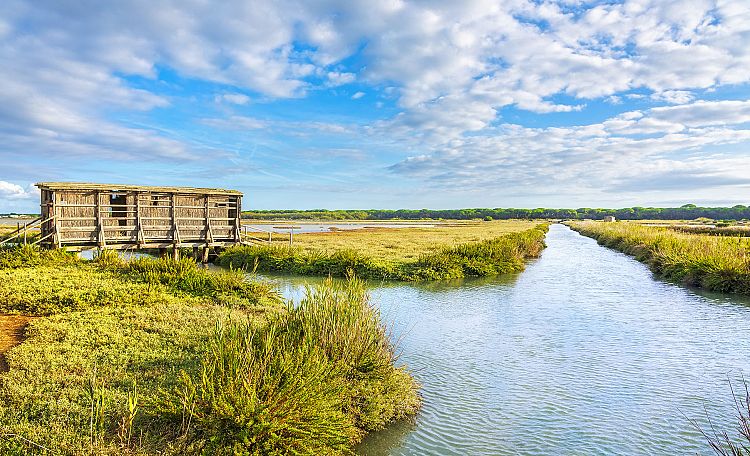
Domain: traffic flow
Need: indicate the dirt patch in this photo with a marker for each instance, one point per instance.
(11, 334)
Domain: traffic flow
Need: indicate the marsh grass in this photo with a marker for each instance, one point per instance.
(737, 230)
(46, 396)
(716, 263)
(503, 254)
(28, 255)
(312, 381)
(402, 245)
(129, 359)
(41, 282)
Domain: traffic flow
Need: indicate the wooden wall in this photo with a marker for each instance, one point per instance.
(88, 217)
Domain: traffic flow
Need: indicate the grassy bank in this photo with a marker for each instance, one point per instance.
(716, 263)
(164, 357)
(408, 254)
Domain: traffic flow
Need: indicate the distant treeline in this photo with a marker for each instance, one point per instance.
(688, 211)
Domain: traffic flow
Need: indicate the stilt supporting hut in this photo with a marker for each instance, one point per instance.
(78, 216)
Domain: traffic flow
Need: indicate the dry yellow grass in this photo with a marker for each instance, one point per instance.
(409, 243)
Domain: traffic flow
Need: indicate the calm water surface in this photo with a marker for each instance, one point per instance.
(583, 353)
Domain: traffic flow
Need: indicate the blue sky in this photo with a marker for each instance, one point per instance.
(392, 104)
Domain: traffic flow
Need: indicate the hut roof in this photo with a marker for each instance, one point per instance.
(123, 187)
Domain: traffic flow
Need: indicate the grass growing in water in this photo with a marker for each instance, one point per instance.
(716, 263)
(311, 381)
(488, 257)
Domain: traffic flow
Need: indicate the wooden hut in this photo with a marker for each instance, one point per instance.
(77, 216)
(610, 218)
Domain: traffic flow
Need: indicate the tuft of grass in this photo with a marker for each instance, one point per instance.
(503, 254)
(716, 263)
(312, 381)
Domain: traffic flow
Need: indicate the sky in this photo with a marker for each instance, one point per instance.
(381, 104)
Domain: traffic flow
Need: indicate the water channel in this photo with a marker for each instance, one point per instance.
(584, 353)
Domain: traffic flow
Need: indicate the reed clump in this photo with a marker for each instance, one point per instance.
(312, 381)
(499, 255)
(716, 263)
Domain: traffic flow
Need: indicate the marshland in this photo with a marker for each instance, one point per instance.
(479, 337)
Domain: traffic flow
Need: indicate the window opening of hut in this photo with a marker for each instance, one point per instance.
(117, 207)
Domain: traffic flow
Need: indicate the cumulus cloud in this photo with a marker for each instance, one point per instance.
(637, 151)
(11, 191)
(73, 72)
(673, 96)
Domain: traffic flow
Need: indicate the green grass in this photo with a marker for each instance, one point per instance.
(716, 263)
(502, 254)
(25, 256)
(40, 282)
(408, 244)
(141, 357)
(319, 376)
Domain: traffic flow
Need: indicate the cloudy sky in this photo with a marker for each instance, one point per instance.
(381, 104)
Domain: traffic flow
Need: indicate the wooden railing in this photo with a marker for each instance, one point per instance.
(258, 235)
(24, 231)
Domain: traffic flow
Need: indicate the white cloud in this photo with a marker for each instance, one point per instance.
(673, 96)
(661, 148)
(11, 191)
(358, 95)
(451, 67)
(233, 98)
(336, 78)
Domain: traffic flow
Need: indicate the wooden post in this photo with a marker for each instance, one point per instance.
(290, 236)
(102, 241)
(204, 258)
(139, 236)
(24, 232)
(53, 211)
(237, 223)
(175, 230)
(175, 253)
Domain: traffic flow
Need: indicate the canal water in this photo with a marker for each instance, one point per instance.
(584, 353)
